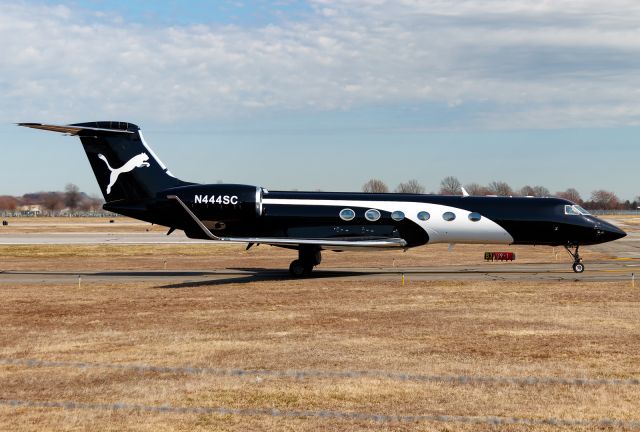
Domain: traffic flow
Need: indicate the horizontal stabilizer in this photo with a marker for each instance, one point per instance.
(324, 242)
(75, 129)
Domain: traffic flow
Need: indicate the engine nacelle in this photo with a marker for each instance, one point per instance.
(221, 202)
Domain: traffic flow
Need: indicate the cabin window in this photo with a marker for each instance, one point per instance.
(571, 210)
(474, 216)
(397, 215)
(347, 214)
(372, 215)
(424, 216)
(448, 216)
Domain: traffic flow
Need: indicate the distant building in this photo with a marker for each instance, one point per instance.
(31, 209)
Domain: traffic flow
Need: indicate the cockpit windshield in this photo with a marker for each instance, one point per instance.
(575, 210)
(581, 210)
(571, 210)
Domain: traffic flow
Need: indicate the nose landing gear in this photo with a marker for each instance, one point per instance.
(577, 266)
(308, 258)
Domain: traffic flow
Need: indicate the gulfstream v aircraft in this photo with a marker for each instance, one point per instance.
(136, 183)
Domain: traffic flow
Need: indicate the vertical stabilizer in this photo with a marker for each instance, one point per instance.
(124, 166)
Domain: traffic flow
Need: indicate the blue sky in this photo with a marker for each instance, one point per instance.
(325, 94)
(193, 12)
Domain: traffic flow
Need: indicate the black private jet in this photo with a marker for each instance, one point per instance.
(136, 183)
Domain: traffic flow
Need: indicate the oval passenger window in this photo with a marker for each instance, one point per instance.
(474, 217)
(424, 216)
(372, 215)
(347, 214)
(397, 215)
(448, 216)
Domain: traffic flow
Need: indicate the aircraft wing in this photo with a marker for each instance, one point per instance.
(288, 241)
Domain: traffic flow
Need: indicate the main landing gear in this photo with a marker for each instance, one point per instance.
(577, 266)
(308, 258)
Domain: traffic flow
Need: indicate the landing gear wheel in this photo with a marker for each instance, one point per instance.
(298, 269)
(577, 266)
(308, 258)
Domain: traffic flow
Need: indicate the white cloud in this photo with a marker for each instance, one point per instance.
(526, 64)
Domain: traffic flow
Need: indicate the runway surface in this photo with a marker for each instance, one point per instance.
(95, 238)
(628, 247)
(612, 270)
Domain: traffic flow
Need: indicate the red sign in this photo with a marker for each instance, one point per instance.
(499, 256)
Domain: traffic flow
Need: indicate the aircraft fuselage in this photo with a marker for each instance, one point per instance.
(252, 212)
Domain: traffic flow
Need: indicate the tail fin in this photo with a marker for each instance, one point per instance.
(125, 167)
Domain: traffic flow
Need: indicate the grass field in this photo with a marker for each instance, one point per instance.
(76, 224)
(442, 328)
(434, 328)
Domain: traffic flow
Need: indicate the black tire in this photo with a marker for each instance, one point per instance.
(308, 268)
(297, 269)
(578, 267)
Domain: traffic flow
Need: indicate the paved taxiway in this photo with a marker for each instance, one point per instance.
(610, 270)
(94, 238)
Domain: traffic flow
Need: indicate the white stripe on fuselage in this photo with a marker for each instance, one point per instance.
(460, 230)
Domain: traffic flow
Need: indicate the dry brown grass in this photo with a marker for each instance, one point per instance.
(76, 224)
(217, 256)
(450, 328)
(224, 256)
(562, 329)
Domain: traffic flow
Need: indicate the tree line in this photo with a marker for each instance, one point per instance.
(600, 199)
(71, 198)
(75, 200)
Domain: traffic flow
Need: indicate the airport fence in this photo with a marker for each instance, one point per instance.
(28, 213)
(615, 212)
(326, 414)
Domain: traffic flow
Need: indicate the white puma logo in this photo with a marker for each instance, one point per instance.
(137, 161)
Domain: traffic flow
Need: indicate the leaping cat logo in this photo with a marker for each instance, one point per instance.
(137, 161)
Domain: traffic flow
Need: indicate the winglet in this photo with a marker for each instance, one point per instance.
(464, 192)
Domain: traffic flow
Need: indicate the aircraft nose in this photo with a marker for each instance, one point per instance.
(608, 232)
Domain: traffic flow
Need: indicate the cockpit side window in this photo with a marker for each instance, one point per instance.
(571, 210)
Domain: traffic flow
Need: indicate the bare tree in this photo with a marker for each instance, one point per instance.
(450, 185)
(500, 188)
(412, 187)
(8, 202)
(375, 186)
(604, 200)
(476, 189)
(527, 191)
(570, 194)
(52, 201)
(72, 196)
(91, 203)
(536, 191)
(541, 191)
